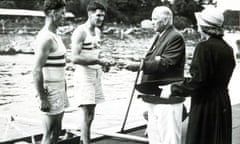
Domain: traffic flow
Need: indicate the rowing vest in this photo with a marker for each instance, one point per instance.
(53, 69)
(91, 47)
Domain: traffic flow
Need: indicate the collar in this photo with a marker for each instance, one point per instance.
(160, 34)
(166, 29)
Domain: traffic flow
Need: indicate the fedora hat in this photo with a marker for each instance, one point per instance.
(210, 17)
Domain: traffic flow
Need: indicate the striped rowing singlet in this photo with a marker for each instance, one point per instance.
(91, 47)
(53, 69)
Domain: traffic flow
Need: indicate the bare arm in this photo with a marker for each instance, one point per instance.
(42, 50)
(77, 39)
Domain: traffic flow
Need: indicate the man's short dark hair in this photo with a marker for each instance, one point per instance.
(93, 6)
(53, 4)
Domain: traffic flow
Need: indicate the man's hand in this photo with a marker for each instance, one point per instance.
(106, 64)
(44, 105)
(132, 66)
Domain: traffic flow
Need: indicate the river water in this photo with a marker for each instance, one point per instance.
(17, 95)
(15, 70)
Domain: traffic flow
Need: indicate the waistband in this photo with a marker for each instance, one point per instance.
(57, 81)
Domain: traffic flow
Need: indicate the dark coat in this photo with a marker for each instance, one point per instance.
(171, 48)
(210, 119)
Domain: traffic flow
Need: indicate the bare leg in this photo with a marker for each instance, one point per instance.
(87, 115)
(52, 125)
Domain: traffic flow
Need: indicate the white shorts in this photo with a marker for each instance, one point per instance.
(87, 86)
(164, 123)
(57, 97)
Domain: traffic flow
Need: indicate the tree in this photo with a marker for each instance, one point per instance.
(79, 7)
(29, 4)
(186, 8)
(7, 4)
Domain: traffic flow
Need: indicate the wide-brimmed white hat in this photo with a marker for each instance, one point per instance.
(210, 17)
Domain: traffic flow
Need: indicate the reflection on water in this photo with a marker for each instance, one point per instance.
(16, 78)
(17, 95)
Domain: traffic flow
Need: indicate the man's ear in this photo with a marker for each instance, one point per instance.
(51, 13)
(166, 20)
(90, 13)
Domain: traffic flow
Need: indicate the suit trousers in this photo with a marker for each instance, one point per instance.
(164, 123)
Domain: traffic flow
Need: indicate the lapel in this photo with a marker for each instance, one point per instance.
(158, 46)
(150, 51)
(154, 42)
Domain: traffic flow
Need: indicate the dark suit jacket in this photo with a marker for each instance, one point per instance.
(171, 48)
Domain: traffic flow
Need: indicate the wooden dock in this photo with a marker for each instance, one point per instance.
(132, 135)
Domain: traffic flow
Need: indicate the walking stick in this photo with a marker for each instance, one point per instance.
(131, 98)
(130, 101)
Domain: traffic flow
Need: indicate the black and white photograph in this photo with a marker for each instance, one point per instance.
(119, 71)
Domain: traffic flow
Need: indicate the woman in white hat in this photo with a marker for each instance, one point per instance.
(213, 62)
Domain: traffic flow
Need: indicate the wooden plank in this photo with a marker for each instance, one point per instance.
(23, 12)
(130, 127)
(73, 139)
(120, 135)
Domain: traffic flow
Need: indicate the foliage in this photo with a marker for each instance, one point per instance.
(181, 22)
(130, 11)
(29, 4)
(232, 18)
(7, 4)
(186, 8)
(22, 4)
(76, 7)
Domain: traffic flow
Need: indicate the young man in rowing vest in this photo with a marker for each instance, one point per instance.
(86, 42)
(48, 71)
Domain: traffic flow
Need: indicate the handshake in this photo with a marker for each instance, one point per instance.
(106, 64)
(128, 65)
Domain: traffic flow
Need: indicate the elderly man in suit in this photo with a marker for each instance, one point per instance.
(162, 66)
